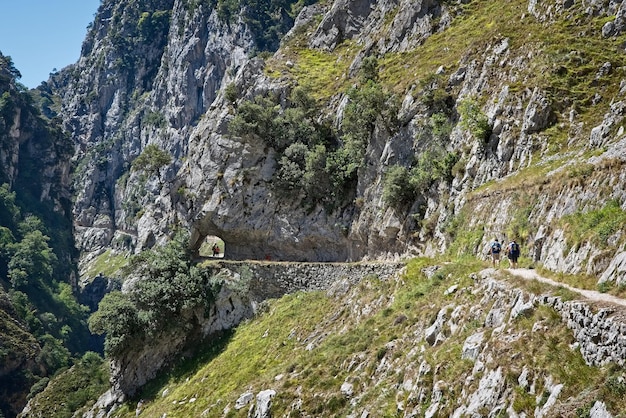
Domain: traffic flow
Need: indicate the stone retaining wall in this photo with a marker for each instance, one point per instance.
(599, 329)
(600, 334)
(271, 280)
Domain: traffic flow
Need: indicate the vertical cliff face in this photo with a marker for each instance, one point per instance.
(35, 209)
(34, 153)
(476, 120)
(172, 74)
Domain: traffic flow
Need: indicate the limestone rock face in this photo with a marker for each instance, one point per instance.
(172, 93)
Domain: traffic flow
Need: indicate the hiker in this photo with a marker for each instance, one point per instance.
(512, 253)
(494, 250)
(216, 250)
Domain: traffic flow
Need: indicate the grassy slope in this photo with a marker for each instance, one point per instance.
(566, 55)
(305, 346)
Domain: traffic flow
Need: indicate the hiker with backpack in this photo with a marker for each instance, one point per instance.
(512, 253)
(494, 250)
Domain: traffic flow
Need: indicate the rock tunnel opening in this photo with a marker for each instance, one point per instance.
(211, 246)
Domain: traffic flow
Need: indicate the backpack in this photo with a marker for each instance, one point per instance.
(514, 248)
(496, 247)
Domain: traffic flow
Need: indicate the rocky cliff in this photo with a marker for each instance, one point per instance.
(35, 233)
(159, 73)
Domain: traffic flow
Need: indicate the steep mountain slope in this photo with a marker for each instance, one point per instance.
(484, 91)
(376, 130)
(437, 340)
(41, 324)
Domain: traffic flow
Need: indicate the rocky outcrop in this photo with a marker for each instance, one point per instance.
(599, 333)
(244, 287)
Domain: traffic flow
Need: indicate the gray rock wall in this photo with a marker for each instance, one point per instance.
(272, 280)
(221, 185)
(600, 332)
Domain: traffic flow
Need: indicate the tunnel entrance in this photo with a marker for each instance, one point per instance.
(212, 246)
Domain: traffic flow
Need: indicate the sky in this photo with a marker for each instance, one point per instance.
(41, 35)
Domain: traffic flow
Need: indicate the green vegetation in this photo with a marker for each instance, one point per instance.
(402, 185)
(156, 119)
(108, 264)
(322, 73)
(370, 105)
(596, 226)
(151, 25)
(306, 345)
(312, 158)
(170, 285)
(152, 159)
(397, 188)
(474, 120)
(304, 145)
(43, 327)
(267, 20)
(75, 389)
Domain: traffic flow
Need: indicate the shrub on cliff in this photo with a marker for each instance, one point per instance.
(169, 284)
(474, 120)
(152, 159)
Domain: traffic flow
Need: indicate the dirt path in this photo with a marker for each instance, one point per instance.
(589, 294)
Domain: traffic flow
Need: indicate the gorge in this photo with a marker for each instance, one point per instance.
(312, 137)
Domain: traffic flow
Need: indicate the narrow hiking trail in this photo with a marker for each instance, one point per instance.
(592, 295)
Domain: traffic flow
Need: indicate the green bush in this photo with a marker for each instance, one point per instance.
(53, 354)
(441, 127)
(169, 284)
(434, 95)
(117, 318)
(256, 119)
(150, 25)
(316, 180)
(151, 159)
(402, 185)
(32, 262)
(397, 189)
(369, 70)
(155, 119)
(9, 212)
(474, 120)
(307, 154)
(73, 389)
(231, 94)
(292, 166)
(227, 10)
(38, 387)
